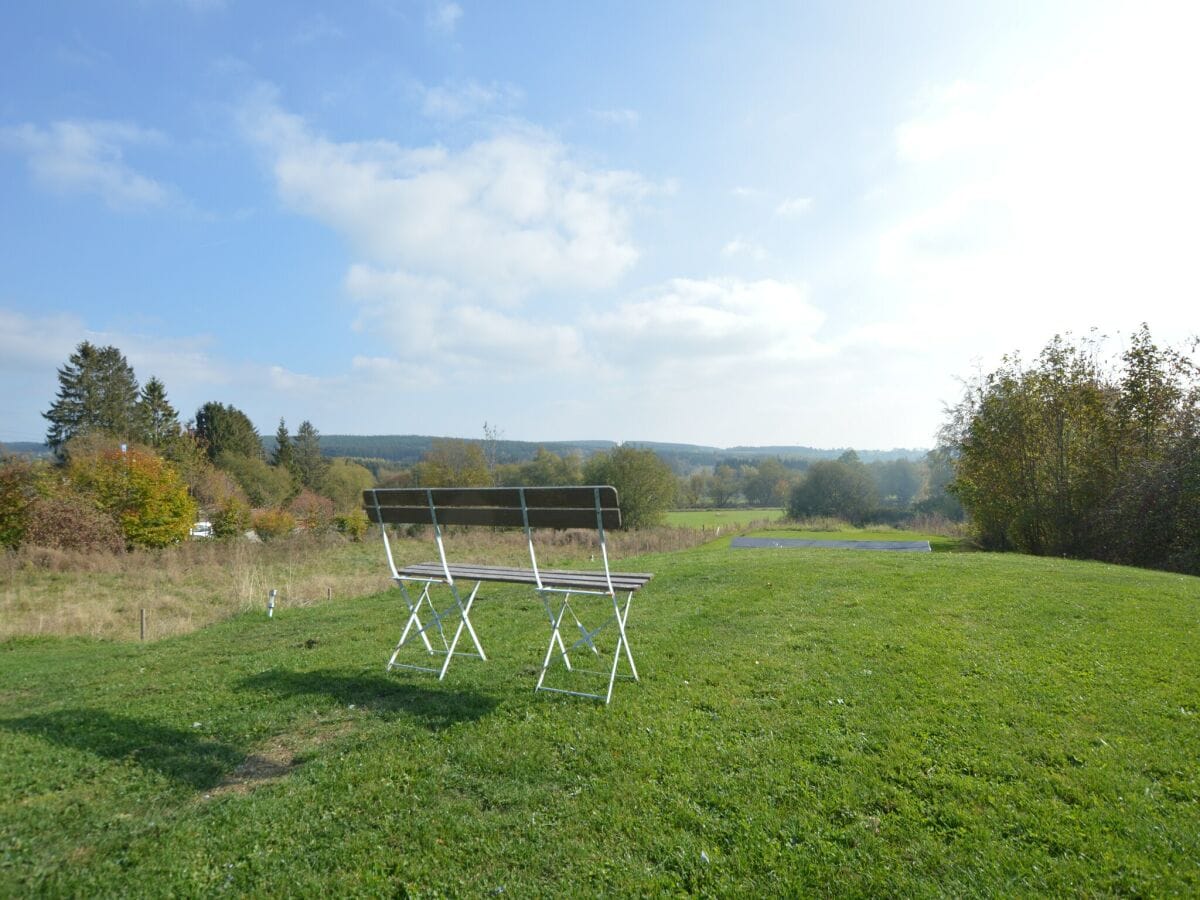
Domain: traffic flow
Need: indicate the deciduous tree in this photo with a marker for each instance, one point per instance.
(140, 490)
(645, 484)
(841, 488)
(453, 463)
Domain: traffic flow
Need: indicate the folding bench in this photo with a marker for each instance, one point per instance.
(590, 507)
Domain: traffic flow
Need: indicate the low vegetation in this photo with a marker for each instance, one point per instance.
(808, 721)
(46, 591)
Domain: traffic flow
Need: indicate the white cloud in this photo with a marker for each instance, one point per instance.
(36, 343)
(458, 336)
(741, 247)
(700, 323)
(443, 17)
(507, 216)
(459, 101)
(793, 207)
(80, 156)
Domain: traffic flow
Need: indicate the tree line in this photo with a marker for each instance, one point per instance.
(1077, 455)
(127, 473)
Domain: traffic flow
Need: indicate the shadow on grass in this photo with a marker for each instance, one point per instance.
(182, 755)
(435, 708)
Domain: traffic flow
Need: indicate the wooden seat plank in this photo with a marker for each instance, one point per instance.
(624, 581)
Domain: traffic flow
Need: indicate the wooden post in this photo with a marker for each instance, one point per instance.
(328, 593)
(143, 623)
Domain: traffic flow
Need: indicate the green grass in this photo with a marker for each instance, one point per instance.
(809, 722)
(711, 518)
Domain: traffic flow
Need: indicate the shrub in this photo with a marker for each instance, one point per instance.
(71, 523)
(312, 511)
(232, 518)
(354, 525)
(273, 523)
(17, 492)
(141, 490)
(265, 485)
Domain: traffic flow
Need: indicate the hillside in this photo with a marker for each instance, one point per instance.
(882, 725)
(408, 449)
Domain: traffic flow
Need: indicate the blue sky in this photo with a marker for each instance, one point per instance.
(750, 223)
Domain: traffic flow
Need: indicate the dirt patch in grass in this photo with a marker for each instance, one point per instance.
(276, 760)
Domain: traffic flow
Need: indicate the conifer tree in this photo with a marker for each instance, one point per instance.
(282, 455)
(97, 391)
(307, 461)
(226, 429)
(159, 421)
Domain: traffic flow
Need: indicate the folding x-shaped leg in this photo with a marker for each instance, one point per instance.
(437, 624)
(587, 639)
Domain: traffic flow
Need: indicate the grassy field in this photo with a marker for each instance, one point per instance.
(815, 721)
(714, 518)
(50, 592)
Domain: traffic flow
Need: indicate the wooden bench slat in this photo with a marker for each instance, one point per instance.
(494, 516)
(626, 581)
(525, 576)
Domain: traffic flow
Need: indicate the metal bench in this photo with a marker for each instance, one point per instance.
(593, 506)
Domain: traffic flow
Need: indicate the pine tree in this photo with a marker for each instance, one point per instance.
(282, 455)
(307, 461)
(159, 421)
(96, 391)
(224, 428)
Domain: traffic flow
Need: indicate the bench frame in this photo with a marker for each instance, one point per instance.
(590, 506)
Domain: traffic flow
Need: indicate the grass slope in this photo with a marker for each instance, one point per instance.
(809, 721)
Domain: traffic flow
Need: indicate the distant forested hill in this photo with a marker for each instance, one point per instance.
(406, 449)
(409, 448)
(24, 448)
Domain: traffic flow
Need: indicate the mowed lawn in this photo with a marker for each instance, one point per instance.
(808, 721)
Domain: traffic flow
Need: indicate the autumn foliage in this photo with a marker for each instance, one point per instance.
(140, 490)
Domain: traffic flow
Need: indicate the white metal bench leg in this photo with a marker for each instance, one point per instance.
(437, 618)
(555, 636)
(623, 640)
(464, 621)
(622, 650)
(413, 617)
(555, 633)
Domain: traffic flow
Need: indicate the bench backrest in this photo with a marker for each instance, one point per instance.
(591, 506)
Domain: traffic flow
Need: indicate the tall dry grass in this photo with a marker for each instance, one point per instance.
(183, 588)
